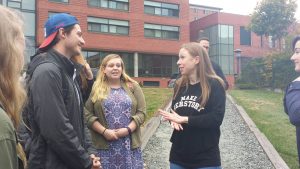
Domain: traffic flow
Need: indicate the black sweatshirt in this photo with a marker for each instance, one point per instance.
(198, 144)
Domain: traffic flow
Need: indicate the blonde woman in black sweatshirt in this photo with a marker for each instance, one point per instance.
(198, 109)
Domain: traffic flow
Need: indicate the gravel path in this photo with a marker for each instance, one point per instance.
(238, 145)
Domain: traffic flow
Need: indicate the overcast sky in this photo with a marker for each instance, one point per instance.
(243, 7)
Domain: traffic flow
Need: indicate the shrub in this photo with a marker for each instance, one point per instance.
(246, 86)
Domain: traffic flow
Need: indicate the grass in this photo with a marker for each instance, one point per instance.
(266, 110)
(155, 99)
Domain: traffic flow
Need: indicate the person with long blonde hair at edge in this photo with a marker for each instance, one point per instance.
(197, 111)
(12, 94)
(115, 111)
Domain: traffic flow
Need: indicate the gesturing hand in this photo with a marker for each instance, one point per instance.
(176, 126)
(88, 71)
(173, 116)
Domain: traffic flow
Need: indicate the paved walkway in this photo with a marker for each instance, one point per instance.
(239, 146)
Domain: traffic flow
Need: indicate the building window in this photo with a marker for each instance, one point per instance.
(27, 9)
(61, 1)
(245, 36)
(161, 31)
(154, 65)
(221, 46)
(104, 25)
(14, 4)
(161, 9)
(112, 4)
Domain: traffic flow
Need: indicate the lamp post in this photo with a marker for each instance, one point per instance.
(238, 59)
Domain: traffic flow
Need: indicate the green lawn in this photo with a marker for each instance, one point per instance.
(266, 110)
(155, 98)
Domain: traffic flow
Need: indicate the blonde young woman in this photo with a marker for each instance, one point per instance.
(12, 95)
(115, 111)
(198, 108)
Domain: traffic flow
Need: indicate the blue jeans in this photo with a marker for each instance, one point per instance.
(176, 166)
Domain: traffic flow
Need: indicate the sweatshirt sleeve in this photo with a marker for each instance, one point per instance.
(52, 118)
(214, 114)
(292, 103)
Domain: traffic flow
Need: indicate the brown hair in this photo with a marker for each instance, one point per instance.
(202, 38)
(205, 72)
(67, 30)
(80, 60)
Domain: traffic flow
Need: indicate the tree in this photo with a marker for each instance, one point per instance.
(273, 18)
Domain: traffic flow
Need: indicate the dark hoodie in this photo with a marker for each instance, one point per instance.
(59, 136)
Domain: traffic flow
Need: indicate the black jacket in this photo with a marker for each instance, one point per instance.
(60, 138)
(292, 102)
(220, 73)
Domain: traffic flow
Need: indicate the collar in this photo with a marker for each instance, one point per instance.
(65, 63)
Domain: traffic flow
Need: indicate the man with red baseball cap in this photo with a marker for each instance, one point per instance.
(59, 135)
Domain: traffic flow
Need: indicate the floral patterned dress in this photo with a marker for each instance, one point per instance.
(117, 108)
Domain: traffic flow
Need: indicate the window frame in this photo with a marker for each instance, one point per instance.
(56, 1)
(109, 23)
(163, 30)
(245, 37)
(161, 6)
(109, 4)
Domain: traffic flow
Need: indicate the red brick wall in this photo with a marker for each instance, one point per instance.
(199, 13)
(135, 42)
(255, 50)
(196, 14)
(231, 81)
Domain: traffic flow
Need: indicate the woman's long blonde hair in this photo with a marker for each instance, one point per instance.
(12, 93)
(12, 45)
(101, 88)
(205, 72)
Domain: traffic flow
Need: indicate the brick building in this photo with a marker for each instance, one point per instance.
(231, 44)
(147, 34)
(199, 11)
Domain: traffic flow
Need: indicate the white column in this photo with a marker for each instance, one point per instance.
(136, 64)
